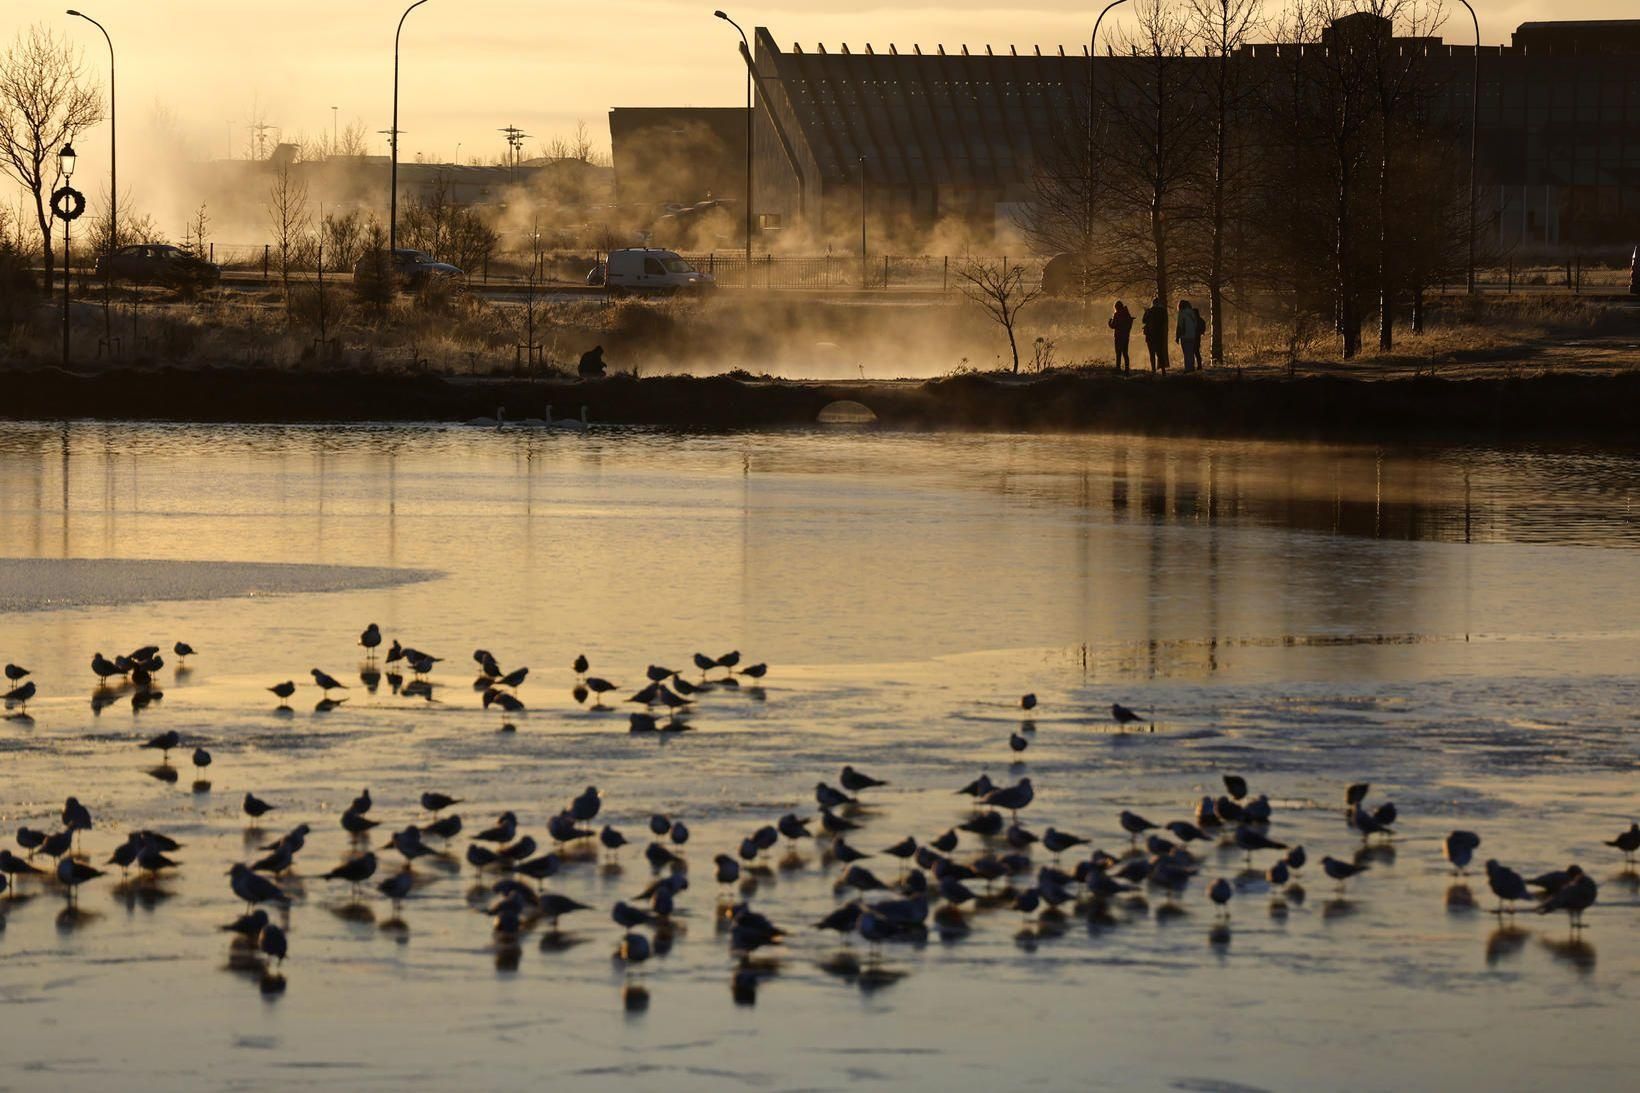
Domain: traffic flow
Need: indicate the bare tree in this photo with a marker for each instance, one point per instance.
(343, 235)
(289, 218)
(1153, 153)
(1001, 291)
(1223, 27)
(43, 106)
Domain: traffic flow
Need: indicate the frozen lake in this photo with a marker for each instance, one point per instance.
(1456, 626)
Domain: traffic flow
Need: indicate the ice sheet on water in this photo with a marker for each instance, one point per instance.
(39, 584)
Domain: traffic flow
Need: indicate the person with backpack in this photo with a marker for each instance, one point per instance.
(1121, 321)
(1154, 321)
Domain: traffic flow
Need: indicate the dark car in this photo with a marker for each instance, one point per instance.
(158, 264)
(414, 269)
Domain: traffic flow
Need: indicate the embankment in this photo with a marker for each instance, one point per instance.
(1544, 407)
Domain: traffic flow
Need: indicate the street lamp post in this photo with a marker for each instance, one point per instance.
(1474, 138)
(1093, 53)
(393, 199)
(65, 166)
(748, 47)
(113, 184)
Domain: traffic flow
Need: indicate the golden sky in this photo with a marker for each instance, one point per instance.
(206, 69)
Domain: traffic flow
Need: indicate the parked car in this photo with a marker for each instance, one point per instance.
(413, 269)
(158, 264)
(649, 270)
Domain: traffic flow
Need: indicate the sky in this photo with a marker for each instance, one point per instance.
(471, 67)
(195, 74)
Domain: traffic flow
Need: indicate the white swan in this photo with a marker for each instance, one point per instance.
(499, 420)
(569, 424)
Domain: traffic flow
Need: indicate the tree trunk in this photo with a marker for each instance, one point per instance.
(1013, 347)
(1215, 273)
(1418, 310)
(1348, 326)
(47, 252)
(1386, 292)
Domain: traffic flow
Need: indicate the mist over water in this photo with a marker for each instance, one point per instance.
(1454, 625)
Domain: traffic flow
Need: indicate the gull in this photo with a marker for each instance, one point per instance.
(581, 664)
(481, 857)
(284, 690)
(1220, 892)
(325, 682)
(445, 827)
(16, 672)
(562, 829)
(355, 823)
(278, 862)
(835, 824)
(1235, 785)
(791, 826)
(1460, 849)
(1019, 837)
(438, 802)
(202, 759)
(20, 695)
(362, 803)
(678, 833)
(1250, 840)
(163, 743)
(1013, 798)
(627, 916)
(1506, 884)
(586, 806)
(248, 926)
(1278, 874)
(985, 824)
(183, 650)
(843, 920)
(1017, 742)
(634, 949)
(554, 906)
(76, 817)
(539, 869)
(831, 798)
(854, 781)
(1369, 824)
(271, 942)
(978, 788)
(861, 879)
(408, 843)
(1296, 858)
(845, 853)
(1628, 842)
(611, 839)
(518, 851)
(398, 886)
(57, 844)
(599, 688)
(659, 857)
(30, 839)
(355, 871)
(13, 866)
(659, 824)
(514, 677)
(902, 849)
(1341, 871)
(293, 840)
(1027, 702)
(1186, 832)
(728, 870)
(103, 667)
(1123, 715)
(506, 826)
(945, 843)
(729, 660)
(1059, 841)
(71, 874)
(1257, 811)
(756, 671)
(1574, 897)
(1135, 824)
(395, 652)
(1207, 814)
(749, 930)
(371, 640)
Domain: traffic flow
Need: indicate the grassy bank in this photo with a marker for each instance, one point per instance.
(1540, 408)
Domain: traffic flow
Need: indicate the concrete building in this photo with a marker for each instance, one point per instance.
(921, 137)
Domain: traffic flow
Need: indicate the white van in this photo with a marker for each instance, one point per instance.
(644, 269)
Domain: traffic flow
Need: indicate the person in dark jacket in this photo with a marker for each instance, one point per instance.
(592, 363)
(1154, 321)
(1188, 333)
(1121, 321)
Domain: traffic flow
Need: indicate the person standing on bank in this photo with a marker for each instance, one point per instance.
(1121, 321)
(1188, 333)
(1154, 321)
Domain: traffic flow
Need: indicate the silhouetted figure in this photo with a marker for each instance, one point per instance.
(1121, 322)
(1154, 321)
(592, 363)
(1188, 333)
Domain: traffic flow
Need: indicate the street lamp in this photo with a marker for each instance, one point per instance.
(1474, 137)
(1093, 53)
(748, 47)
(113, 140)
(393, 200)
(65, 167)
